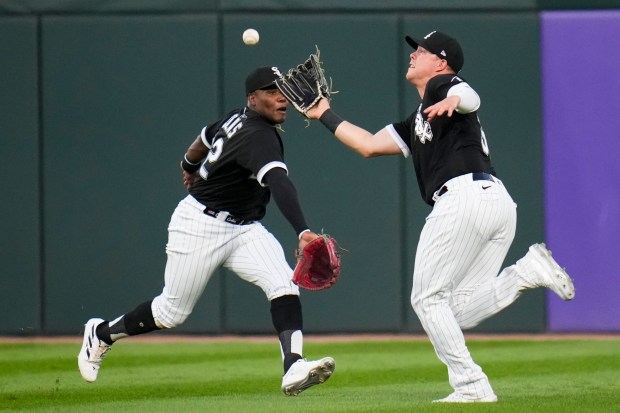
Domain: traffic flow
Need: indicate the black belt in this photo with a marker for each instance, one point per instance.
(482, 176)
(475, 176)
(229, 218)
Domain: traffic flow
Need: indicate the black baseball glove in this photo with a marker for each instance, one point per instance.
(305, 84)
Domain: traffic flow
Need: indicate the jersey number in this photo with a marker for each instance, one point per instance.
(229, 128)
(216, 150)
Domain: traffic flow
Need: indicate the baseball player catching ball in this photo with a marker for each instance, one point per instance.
(472, 224)
(231, 170)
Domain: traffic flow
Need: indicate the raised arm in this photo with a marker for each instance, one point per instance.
(359, 139)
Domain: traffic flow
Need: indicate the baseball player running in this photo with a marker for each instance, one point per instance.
(230, 170)
(472, 224)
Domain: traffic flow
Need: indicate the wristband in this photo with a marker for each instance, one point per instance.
(331, 120)
(302, 233)
(188, 166)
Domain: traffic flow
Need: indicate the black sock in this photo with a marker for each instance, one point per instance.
(285, 341)
(103, 332)
(287, 318)
(285, 344)
(138, 321)
(289, 360)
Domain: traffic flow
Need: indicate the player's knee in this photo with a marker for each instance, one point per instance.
(424, 302)
(167, 321)
(416, 301)
(466, 325)
(171, 322)
(166, 315)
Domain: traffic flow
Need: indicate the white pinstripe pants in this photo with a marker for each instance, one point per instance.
(198, 244)
(455, 281)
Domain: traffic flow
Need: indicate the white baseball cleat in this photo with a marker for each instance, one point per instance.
(459, 398)
(552, 276)
(304, 374)
(93, 351)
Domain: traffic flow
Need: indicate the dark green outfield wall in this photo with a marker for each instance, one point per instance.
(99, 101)
(21, 298)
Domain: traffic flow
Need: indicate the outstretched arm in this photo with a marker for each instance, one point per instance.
(285, 196)
(359, 139)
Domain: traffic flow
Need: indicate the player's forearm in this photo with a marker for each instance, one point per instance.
(192, 158)
(356, 138)
(359, 139)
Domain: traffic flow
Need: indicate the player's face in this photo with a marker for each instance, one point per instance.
(270, 104)
(423, 65)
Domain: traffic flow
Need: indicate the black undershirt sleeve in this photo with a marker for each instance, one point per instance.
(285, 196)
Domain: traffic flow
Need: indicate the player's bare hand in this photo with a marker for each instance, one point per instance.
(306, 238)
(188, 179)
(317, 110)
(446, 106)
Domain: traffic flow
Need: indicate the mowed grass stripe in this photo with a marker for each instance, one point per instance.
(373, 376)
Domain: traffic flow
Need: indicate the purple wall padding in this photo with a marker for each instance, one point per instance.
(581, 111)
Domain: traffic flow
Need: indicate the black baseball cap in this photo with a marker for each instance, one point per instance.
(261, 78)
(442, 45)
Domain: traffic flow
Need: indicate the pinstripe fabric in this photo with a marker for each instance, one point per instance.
(455, 282)
(198, 244)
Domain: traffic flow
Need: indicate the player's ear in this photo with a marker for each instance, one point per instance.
(252, 99)
(442, 64)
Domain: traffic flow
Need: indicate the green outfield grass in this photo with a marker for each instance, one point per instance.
(372, 376)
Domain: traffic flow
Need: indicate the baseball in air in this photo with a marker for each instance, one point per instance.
(250, 37)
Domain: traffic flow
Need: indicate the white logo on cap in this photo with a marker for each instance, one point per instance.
(443, 53)
(430, 34)
(276, 71)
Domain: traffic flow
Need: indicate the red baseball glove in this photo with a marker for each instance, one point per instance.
(318, 264)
